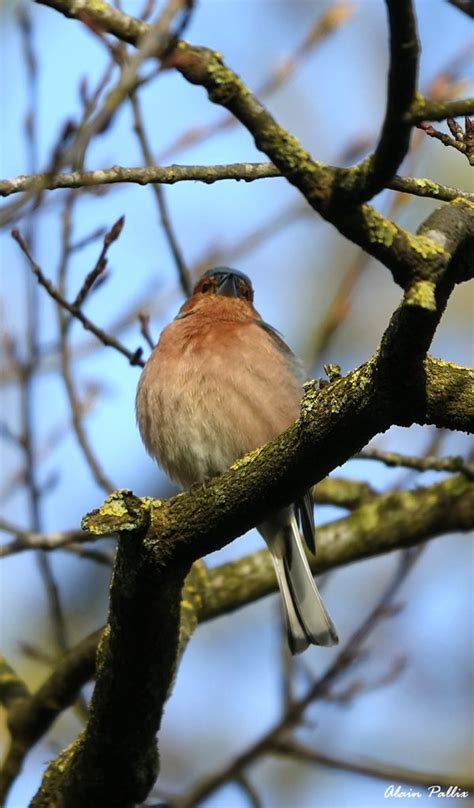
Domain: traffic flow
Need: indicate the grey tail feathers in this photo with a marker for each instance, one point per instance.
(307, 621)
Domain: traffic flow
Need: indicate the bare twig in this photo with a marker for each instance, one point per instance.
(64, 322)
(144, 319)
(453, 464)
(101, 263)
(371, 768)
(31, 540)
(176, 251)
(27, 368)
(102, 336)
(462, 140)
(249, 791)
(167, 175)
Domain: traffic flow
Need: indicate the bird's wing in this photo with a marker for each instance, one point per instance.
(277, 338)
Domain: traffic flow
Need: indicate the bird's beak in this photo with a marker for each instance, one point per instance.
(227, 286)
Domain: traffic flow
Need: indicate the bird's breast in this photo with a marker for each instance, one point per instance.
(209, 395)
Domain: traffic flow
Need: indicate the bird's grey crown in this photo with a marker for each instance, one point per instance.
(210, 273)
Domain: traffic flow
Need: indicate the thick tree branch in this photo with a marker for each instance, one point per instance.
(339, 491)
(449, 400)
(321, 687)
(373, 174)
(415, 516)
(322, 186)
(160, 540)
(30, 717)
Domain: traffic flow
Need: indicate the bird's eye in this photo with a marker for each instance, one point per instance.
(205, 287)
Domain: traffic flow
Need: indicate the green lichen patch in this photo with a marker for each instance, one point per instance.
(246, 459)
(421, 294)
(121, 512)
(380, 229)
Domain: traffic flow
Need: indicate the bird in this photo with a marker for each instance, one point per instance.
(219, 383)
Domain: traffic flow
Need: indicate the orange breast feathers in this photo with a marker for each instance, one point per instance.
(217, 385)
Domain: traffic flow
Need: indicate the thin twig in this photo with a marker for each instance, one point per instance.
(27, 368)
(144, 319)
(31, 540)
(372, 768)
(134, 358)
(454, 464)
(461, 140)
(176, 251)
(155, 43)
(64, 322)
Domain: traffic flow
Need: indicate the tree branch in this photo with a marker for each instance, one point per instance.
(372, 768)
(159, 541)
(30, 540)
(12, 688)
(169, 175)
(30, 717)
(166, 175)
(461, 140)
(322, 186)
(320, 688)
(373, 174)
(74, 309)
(394, 459)
(415, 516)
(426, 109)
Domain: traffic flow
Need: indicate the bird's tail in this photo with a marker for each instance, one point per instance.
(307, 621)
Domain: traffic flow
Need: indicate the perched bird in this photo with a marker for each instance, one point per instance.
(219, 383)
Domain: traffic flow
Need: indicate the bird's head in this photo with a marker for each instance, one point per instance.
(221, 293)
(226, 282)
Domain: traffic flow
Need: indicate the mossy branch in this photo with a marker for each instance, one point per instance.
(393, 521)
(322, 185)
(160, 540)
(373, 174)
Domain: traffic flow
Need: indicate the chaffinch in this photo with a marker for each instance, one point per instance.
(219, 383)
